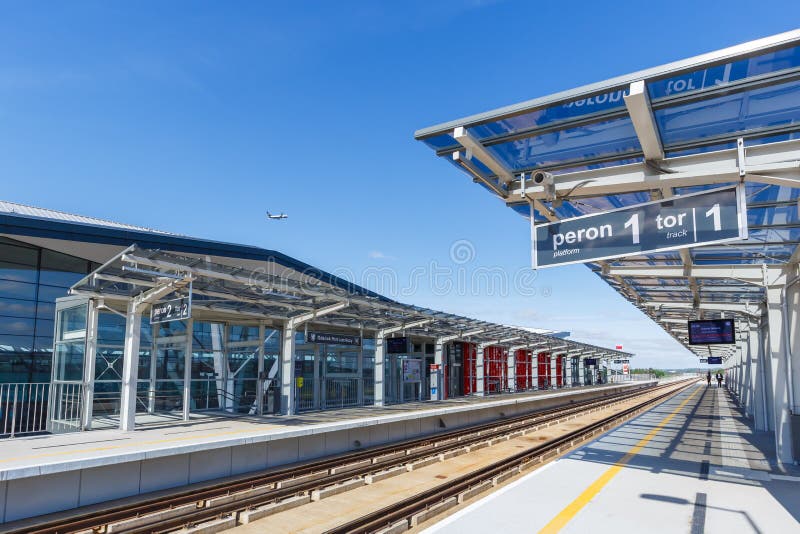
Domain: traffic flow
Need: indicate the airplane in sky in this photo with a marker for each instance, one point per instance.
(277, 217)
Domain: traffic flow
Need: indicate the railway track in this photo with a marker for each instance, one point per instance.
(410, 512)
(225, 504)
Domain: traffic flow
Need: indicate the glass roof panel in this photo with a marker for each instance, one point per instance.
(440, 141)
(771, 106)
(728, 72)
(615, 137)
(604, 102)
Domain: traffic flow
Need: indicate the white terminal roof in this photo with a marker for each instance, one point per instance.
(44, 213)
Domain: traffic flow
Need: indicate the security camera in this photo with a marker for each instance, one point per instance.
(542, 177)
(546, 179)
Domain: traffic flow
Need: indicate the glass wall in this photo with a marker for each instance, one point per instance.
(31, 278)
(330, 376)
(66, 387)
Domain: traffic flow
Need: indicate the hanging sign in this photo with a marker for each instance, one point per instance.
(333, 339)
(171, 310)
(684, 221)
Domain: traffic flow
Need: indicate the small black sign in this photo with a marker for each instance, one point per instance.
(333, 339)
(171, 310)
(397, 345)
(590, 361)
(715, 360)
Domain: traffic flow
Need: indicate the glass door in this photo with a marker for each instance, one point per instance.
(241, 378)
(305, 379)
(455, 370)
(167, 390)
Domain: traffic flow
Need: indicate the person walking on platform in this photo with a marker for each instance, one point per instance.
(708, 378)
(719, 380)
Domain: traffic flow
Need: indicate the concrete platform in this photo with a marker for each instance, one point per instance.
(44, 474)
(692, 464)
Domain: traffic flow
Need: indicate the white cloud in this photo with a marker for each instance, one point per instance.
(378, 255)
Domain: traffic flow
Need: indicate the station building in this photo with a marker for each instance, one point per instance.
(267, 334)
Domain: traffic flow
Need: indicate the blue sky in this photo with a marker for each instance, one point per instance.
(197, 117)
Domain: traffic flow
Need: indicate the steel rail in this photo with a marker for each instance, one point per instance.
(201, 516)
(421, 502)
(427, 446)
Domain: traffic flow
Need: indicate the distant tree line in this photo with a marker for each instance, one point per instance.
(658, 373)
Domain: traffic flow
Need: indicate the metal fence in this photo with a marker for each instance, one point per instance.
(66, 406)
(305, 394)
(23, 408)
(341, 392)
(334, 392)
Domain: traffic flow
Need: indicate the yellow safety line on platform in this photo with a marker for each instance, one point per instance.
(566, 515)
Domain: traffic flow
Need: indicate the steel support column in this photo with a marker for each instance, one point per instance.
(479, 377)
(260, 369)
(130, 367)
(511, 373)
(778, 356)
(187, 368)
(89, 358)
(288, 401)
(379, 370)
(438, 359)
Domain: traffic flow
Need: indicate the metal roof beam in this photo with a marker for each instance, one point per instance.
(751, 274)
(712, 306)
(413, 324)
(476, 173)
(770, 163)
(638, 103)
(474, 146)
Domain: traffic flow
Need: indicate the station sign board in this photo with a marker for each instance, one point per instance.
(412, 370)
(171, 310)
(590, 361)
(684, 221)
(333, 339)
(715, 360)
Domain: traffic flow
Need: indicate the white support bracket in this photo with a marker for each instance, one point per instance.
(638, 103)
(296, 321)
(473, 145)
(399, 328)
(467, 164)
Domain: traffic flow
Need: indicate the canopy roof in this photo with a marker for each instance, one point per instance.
(719, 118)
(230, 289)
